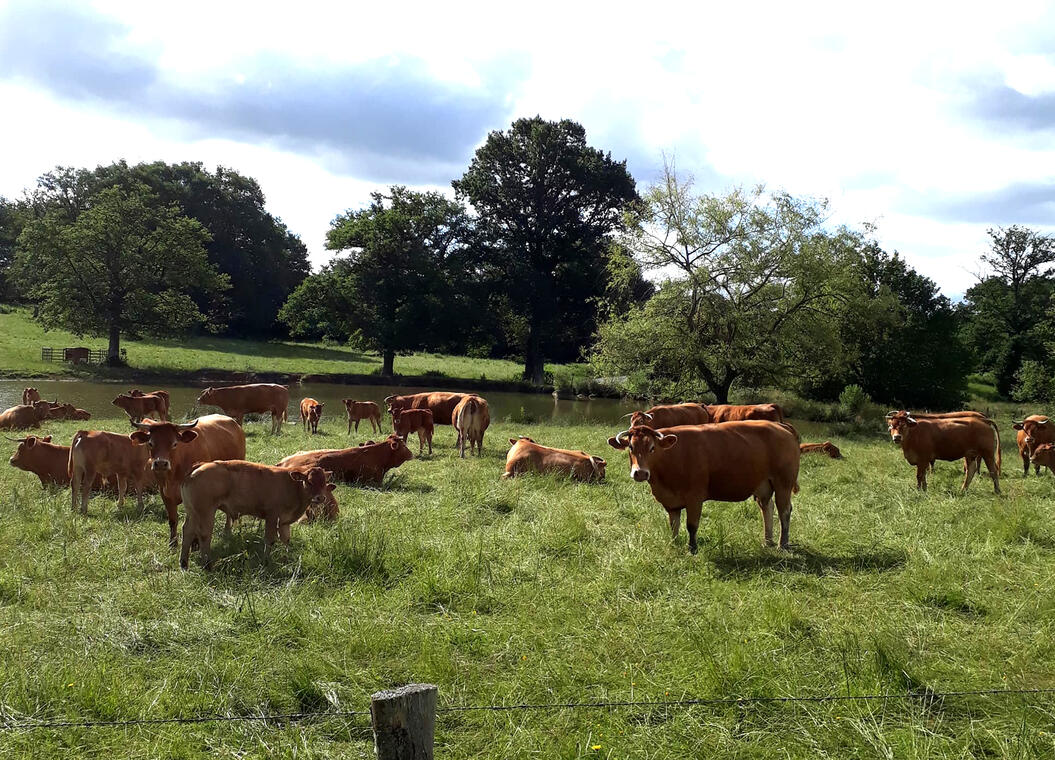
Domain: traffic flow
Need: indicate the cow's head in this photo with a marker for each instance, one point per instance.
(135, 392)
(315, 412)
(1044, 455)
(24, 453)
(162, 438)
(317, 482)
(124, 401)
(520, 438)
(1035, 428)
(394, 404)
(80, 414)
(597, 465)
(29, 395)
(640, 419)
(43, 410)
(401, 452)
(205, 397)
(643, 443)
(899, 423)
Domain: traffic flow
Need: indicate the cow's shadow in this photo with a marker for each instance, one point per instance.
(805, 559)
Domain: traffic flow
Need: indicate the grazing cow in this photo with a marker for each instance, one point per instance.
(669, 415)
(690, 464)
(527, 456)
(1032, 432)
(471, 419)
(24, 416)
(362, 410)
(174, 449)
(739, 413)
(276, 495)
(365, 464)
(30, 395)
(138, 405)
(827, 447)
(310, 412)
(260, 398)
(95, 453)
(407, 421)
(925, 440)
(440, 403)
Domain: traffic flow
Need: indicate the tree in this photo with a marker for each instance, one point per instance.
(9, 229)
(546, 204)
(122, 264)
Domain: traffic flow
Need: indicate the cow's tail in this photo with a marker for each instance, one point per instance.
(999, 458)
(790, 428)
(73, 446)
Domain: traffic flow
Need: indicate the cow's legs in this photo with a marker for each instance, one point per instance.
(674, 518)
(122, 486)
(172, 513)
(784, 511)
(270, 533)
(990, 465)
(1025, 463)
(203, 533)
(921, 476)
(692, 523)
(283, 533)
(76, 486)
(428, 437)
(971, 465)
(764, 499)
(188, 539)
(139, 494)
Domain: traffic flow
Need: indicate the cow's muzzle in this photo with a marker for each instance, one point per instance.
(161, 464)
(639, 474)
(896, 438)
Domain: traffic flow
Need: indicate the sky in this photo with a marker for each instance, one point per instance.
(932, 121)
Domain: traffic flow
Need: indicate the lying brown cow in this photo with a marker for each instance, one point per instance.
(138, 405)
(96, 453)
(310, 413)
(365, 464)
(527, 456)
(440, 403)
(362, 410)
(407, 421)
(669, 415)
(690, 464)
(739, 413)
(174, 449)
(472, 417)
(260, 398)
(827, 447)
(1032, 432)
(67, 412)
(24, 416)
(924, 440)
(276, 495)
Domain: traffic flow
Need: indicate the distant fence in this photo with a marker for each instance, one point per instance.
(78, 355)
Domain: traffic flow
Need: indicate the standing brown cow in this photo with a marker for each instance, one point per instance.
(407, 421)
(259, 398)
(440, 403)
(527, 456)
(310, 413)
(362, 410)
(924, 440)
(472, 417)
(30, 395)
(690, 464)
(741, 412)
(1031, 432)
(669, 415)
(138, 405)
(96, 453)
(174, 450)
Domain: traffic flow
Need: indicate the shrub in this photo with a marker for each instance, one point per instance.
(854, 402)
(1033, 383)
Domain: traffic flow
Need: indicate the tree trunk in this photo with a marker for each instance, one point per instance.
(533, 361)
(721, 391)
(113, 351)
(389, 359)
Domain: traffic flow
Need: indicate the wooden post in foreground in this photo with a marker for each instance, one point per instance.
(404, 722)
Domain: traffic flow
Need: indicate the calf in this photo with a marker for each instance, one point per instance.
(669, 415)
(310, 413)
(527, 456)
(46, 460)
(742, 412)
(1043, 456)
(1032, 432)
(24, 416)
(690, 464)
(924, 440)
(138, 405)
(440, 403)
(67, 412)
(29, 395)
(471, 419)
(407, 421)
(365, 464)
(276, 495)
(827, 447)
(259, 398)
(110, 455)
(362, 410)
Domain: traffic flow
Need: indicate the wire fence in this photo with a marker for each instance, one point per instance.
(296, 717)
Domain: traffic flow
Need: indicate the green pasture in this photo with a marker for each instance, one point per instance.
(542, 590)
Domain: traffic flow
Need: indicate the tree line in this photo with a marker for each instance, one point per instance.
(547, 252)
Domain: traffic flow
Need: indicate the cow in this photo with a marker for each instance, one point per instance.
(277, 495)
(310, 413)
(138, 405)
(29, 395)
(440, 403)
(260, 398)
(68, 412)
(365, 464)
(827, 447)
(96, 453)
(362, 410)
(48, 461)
(924, 440)
(1032, 432)
(24, 416)
(407, 421)
(1043, 456)
(739, 413)
(669, 415)
(938, 416)
(525, 455)
(173, 450)
(687, 465)
(471, 419)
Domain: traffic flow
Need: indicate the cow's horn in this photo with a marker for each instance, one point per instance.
(15, 440)
(140, 425)
(891, 414)
(187, 425)
(628, 415)
(1042, 422)
(625, 434)
(388, 399)
(650, 417)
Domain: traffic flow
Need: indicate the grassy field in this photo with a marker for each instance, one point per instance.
(21, 340)
(536, 591)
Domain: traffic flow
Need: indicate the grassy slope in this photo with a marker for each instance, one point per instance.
(542, 590)
(21, 340)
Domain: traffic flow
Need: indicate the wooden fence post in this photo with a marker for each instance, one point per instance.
(404, 722)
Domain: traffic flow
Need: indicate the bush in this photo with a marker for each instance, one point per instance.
(854, 402)
(1033, 383)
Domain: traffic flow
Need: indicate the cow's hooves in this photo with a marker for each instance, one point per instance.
(693, 549)
(768, 544)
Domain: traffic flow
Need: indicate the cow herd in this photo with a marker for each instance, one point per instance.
(688, 454)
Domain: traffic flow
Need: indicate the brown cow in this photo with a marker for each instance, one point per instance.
(365, 464)
(741, 412)
(48, 461)
(925, 440)
(278, 496)
(260, 398)
(362, 410)
(407, 421)
(29, 395)
(526, 455)
(110, 455)
(1043, 456)
(310, 412)
(827, 447)
(138, 405)
(471, 419)
(669, 415)
(67, 412)
(174, 450)
(690, 464)
(22, 416)
(440, 403)
(1032, 432)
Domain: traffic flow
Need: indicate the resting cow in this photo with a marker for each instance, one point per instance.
(276, 495)
(741, 412)
(67, 412)
(96, 453)
(440, 403)
(924, 440)
(174, 449)
(310, 413)
(260, 398)
(690, 464)
(24, 416)
(527, 456)
(362, 410)
(1031, 432)
(669, 415)
(407, 421)
(138, 405)
(827, 447)
(29, 395)
(471, 419)
(365, 464)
